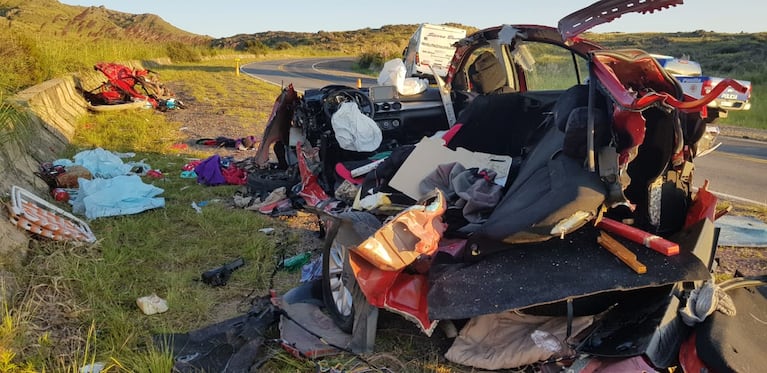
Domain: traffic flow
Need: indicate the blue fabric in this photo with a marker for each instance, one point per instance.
(102, 163)
(209, 171)
(120, 195)
(312, 271)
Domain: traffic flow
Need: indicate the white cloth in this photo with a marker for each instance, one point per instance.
(703, 301)
(102, 163)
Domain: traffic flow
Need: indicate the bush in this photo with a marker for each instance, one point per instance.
(370, 60)
(256, 47)
(283, 45)
(179, 52)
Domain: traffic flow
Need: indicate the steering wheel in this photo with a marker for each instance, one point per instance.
(337, 95)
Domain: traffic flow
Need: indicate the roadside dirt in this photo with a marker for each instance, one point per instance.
(744, 133)
(201, 120)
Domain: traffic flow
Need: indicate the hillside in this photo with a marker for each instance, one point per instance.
(742, 56)
(44, 39)
(388, 38)
(50, 18)
(738, 55)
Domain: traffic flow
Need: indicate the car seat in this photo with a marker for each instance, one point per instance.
(551, 185)
(486, 74)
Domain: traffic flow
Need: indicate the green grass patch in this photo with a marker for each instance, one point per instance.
(756, 117)
(142, 130)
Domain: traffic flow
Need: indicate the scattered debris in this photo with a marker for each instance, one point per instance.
(152, 304)
(220, 276)
(742, 231)
(92, 368)
(295, 262)
(155, 174)
(40, 217)
(266, 230)
(122, 90)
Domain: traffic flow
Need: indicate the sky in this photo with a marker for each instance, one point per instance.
(229, 18)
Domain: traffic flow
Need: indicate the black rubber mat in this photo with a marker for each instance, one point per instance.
(543, 273)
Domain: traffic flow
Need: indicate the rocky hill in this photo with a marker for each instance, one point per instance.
(388, 37)
(53, 19)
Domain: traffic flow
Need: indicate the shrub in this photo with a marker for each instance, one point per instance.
(179, 52)
(256, 47)
(283, 45)
(370, 60)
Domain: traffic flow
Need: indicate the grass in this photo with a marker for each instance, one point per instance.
(118, 132)
(162, 251)
(756, 117)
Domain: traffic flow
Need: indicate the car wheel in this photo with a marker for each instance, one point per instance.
(339, 287)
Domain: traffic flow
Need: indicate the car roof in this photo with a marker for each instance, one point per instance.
(604, 11)
(537, 33)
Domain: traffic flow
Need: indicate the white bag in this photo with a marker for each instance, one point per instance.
(355, 131)
(393, 74)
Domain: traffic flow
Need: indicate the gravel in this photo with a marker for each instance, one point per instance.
(743, 133)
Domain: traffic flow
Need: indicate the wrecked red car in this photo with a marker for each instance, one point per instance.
(547, 183)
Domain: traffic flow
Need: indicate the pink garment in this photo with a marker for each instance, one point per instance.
(636, 364)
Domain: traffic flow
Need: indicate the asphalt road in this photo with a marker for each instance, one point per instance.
(308, 73)
(737, 170)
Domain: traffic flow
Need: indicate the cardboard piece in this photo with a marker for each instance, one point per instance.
(430, 152)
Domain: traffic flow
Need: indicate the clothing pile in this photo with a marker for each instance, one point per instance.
(99, 184)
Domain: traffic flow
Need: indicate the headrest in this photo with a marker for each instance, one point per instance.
(486, 73)
(573, 97)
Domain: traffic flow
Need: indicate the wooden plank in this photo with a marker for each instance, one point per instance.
(622, 252)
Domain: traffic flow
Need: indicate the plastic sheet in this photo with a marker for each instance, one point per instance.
(394, 72)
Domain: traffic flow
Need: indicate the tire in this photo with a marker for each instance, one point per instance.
(339, 287)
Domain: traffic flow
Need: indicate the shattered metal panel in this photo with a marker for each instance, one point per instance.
(605, 11)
